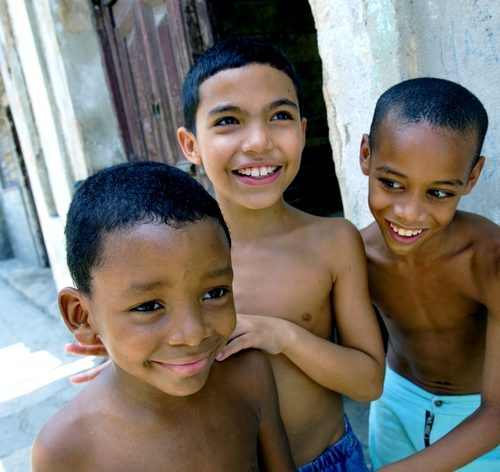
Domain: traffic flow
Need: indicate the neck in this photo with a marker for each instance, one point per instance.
(246, 224)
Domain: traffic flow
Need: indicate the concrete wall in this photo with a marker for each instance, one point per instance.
(56, 87)
(367, 46)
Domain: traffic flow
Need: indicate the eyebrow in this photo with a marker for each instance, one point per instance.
(388, 170)
(228, 108)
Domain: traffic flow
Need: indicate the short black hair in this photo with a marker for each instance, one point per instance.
(440, 103)
(119, 197)
(232, 53)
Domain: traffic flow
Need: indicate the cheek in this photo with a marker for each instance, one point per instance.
(378, 199)
(225, 324)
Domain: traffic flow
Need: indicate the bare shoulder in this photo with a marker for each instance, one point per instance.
(483, 236)
(336, 231)
(61, 443)
(249, 372)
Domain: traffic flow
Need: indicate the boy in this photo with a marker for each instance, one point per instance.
(434, 276)
(299, 279)
(150, 256)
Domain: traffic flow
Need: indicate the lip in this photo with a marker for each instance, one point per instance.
(403, 239)
(186, 367)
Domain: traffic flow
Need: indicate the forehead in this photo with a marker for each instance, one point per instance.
(424, 142)
(248, 83)
(155, 246)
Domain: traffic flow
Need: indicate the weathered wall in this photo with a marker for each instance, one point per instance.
(367, 46)
(61, 106)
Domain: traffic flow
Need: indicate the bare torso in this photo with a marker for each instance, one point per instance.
(218, 428)
(289, 276)
(434, 307)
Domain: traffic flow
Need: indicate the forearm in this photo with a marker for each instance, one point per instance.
(475, 436)
(349, 371)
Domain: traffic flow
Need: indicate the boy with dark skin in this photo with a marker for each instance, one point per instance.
(298, 278)
(434, 276)
(150, 254)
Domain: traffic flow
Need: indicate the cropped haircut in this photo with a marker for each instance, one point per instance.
(120, 197)
(232, 53)
(438, 102)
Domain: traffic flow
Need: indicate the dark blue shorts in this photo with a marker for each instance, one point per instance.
(346, 455)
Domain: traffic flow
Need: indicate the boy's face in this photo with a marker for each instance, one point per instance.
(162, 302)
(249, 134)
(417, 175)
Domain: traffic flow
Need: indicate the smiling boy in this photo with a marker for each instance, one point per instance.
(149, 253)
(300, 280)
(434, 276)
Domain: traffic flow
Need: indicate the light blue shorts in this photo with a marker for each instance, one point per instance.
(407, 418)
(346, 455)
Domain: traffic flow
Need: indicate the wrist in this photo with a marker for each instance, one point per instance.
(287, 336)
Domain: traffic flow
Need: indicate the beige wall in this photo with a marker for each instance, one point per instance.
(57, 90)
(367, 46)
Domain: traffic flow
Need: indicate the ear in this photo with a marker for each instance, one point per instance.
(189, 145)
(474, 175)
(364, 154)
(303, 126)
(73, 306)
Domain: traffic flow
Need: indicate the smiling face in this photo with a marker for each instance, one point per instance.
(417, 175)
(162, 303)
(249, 134)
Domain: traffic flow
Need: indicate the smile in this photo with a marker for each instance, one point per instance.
(257, 172)
(408, 233)
(186, 368)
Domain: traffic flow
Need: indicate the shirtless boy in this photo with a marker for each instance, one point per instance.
(149, 253)
(298, 278)
(434, 276)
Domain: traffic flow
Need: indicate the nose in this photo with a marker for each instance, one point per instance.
(410, 208)
(256, 139)
(188, 328)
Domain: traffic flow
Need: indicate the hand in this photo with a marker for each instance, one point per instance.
(253, 331)
(87, 350)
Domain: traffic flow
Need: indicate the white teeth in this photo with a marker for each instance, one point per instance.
(257, 171)
(405, 232)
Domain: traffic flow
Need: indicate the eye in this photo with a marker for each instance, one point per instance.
(148, 307)
(226, 121)
(390, 184)
(215, 293)
(282, 115)
(440, 194)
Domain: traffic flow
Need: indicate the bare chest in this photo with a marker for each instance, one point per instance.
(292, 285)
(437, 296)
(196, 440)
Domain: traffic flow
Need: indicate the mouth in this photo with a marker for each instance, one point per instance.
(403, 234)
(257, 172)
(186, 367)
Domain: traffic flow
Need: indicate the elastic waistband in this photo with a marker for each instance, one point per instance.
(409, 392)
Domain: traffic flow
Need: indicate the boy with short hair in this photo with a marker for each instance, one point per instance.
(149, 253)
(299, 279)
(434, 276)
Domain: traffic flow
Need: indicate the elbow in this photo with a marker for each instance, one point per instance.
(372, 387)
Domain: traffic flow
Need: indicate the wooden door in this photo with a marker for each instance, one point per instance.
(147, 54)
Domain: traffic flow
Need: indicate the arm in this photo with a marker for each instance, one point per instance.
(355, 367)
(480, 432)
(274, 450)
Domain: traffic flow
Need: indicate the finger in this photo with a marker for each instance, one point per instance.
(236, 345)
(89, 375)
(86, 350)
